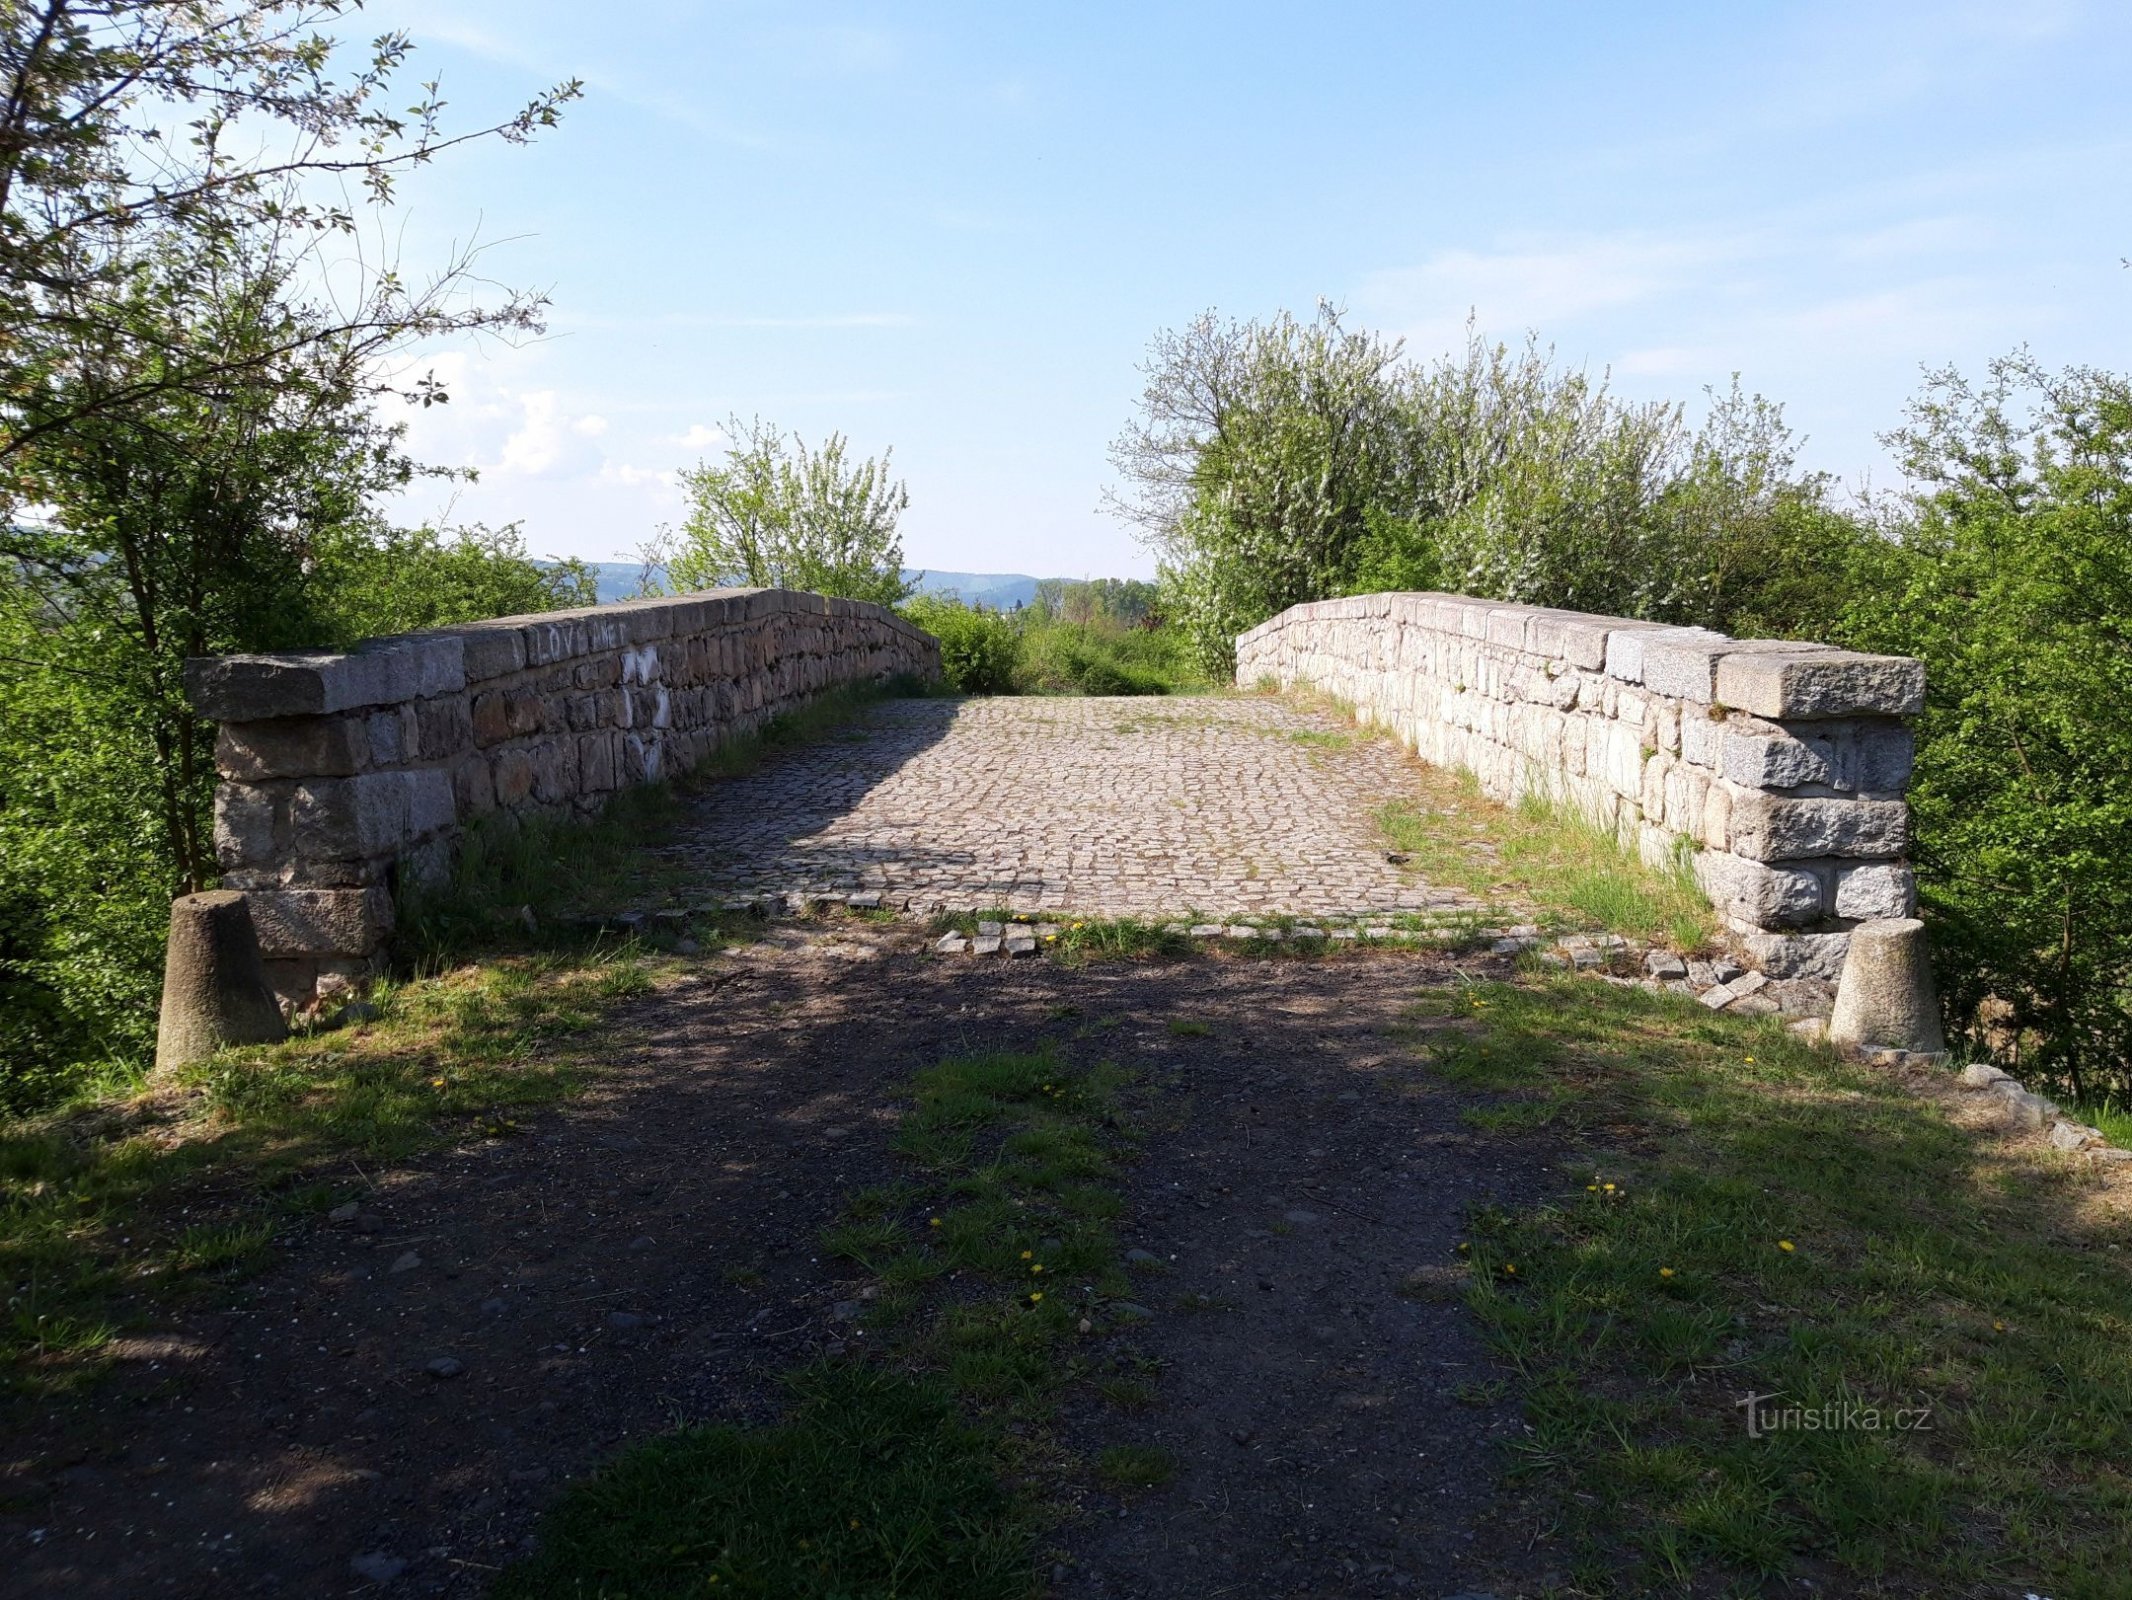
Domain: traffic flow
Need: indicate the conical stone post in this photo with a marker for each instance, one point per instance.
(1885, 999)
(214, 984)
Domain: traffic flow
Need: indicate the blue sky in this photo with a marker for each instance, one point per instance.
(954, 228)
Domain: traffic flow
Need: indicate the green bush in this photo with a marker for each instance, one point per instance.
(979, 650)
(2009, 573)
(1091, 658)
(1038, 651)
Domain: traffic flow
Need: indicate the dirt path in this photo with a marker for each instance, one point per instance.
(648, 1255)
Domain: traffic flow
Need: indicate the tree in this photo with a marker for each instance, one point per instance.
(128, 124)
(194, 336)
(2009, 571)
(1280, 462)
(780, 515)
(1259, 454)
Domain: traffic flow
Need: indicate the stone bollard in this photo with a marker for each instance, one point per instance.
(214, 985)
(1885, 1000)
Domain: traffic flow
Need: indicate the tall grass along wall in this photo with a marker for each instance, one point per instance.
(1777, 768)
(340, 773)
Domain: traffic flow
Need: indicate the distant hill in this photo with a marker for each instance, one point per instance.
(999, 590)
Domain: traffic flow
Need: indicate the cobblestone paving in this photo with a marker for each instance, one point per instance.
(1227, 806)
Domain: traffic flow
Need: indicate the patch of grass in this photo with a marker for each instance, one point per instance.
(1059, 657)
(871, 1485)
(1135, 1466)
(109, 1212)
(1080, 939)
(1547, 854)
(1188, 1028)
(994, 1271)
(2111, 1117)
(1766, 1220)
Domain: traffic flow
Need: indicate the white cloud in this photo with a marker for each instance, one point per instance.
(700, 436)
(548, 442)
(1537, 285)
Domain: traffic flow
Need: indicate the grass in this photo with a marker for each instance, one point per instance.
(1453, 834)
(926, 1466)
(101, 1205)
(1080, 939)
(1748, 1216)
(1099, 658)
(871, 1485)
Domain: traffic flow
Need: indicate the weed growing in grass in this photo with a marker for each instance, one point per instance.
(920, 1472)
(1789, 1227)
(1452, 833)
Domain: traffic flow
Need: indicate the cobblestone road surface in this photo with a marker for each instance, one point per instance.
(1224, 805)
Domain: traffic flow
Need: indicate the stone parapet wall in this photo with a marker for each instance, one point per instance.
(1778, 768)
(344, 774)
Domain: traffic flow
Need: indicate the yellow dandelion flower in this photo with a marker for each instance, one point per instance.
(1609, 1188)
(1038, 1267)
(1035, 1295)
(1786, 1246)
(1998, 1327)
(932, 1222)
(1750, 1061)
(1591, 1188)
(1028, 1255)
(1665, 1272)
(1463, 1247)
(436, 1083)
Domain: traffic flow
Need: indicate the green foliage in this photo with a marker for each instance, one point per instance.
(785, 516)
(1119, 602)
(2010, 574)
(979, 650)
(377, 580)
(1280, 462)
(1065, 644)
(149, 144)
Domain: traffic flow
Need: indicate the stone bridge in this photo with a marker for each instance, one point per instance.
(1776, 768)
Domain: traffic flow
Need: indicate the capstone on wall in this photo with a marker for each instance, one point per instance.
(1776, 768)
(344, 775)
